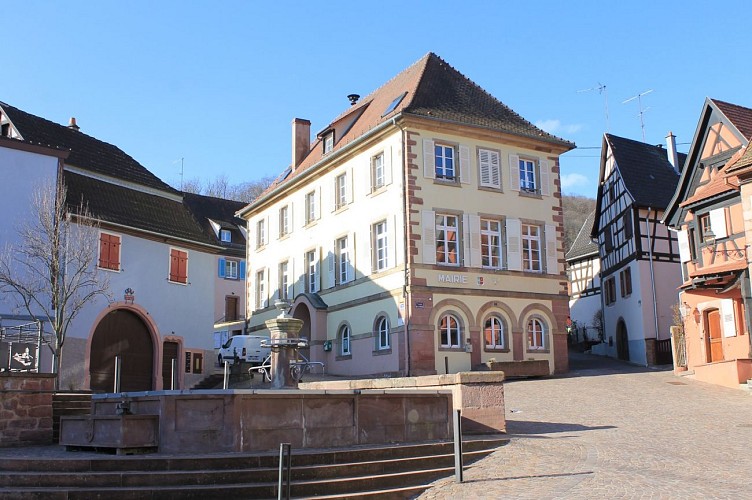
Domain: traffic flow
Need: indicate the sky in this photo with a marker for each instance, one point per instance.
(211, 88)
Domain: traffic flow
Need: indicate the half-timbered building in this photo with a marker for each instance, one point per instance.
(708, 210)
(584, 273)
(639, 256)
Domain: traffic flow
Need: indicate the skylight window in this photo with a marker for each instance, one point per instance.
(396, 102)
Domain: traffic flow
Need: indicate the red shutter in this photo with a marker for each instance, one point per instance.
(174, 265)
(182, 266)
(104, 250)
(114, 252)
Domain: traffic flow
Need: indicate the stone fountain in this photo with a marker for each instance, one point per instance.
(284, 345)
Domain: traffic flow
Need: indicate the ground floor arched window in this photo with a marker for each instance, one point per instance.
(449, 331)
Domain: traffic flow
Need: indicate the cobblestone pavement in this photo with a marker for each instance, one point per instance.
(611, 430)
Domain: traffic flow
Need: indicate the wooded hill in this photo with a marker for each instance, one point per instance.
(576, 210)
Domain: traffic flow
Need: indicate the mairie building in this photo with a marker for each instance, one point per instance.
(419, 232)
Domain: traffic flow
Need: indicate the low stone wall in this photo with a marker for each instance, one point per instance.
(479, 395)
(253, 420)
(523, 368)
(26, 409)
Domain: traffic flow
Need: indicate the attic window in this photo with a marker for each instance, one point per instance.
(225, 235)
(328, 142)
(5, 130)
(396, 102)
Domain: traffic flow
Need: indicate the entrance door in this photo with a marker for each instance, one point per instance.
(169, 352)
(713, 338)
(622, 341)
(121, 333)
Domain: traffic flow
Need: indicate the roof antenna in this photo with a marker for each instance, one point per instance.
(181, 172)
(601, 88)
(642, 111)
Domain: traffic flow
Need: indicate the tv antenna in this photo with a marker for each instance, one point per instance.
(601, 88)
(642, 111)
(181, 171)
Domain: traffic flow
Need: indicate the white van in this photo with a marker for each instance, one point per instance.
(246, 348)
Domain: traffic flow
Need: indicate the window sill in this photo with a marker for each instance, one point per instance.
(531, 194)
(183, 283)
(382, 352)
(260, 248)
(451, 349)
(341, 208)
(537, 351)
(109, 270)
(283, 236)
(310, 224)
(491, 189)
(343, 357)
(377, 191)
(447, 182)
(495, 349)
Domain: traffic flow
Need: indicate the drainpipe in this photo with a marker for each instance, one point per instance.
(747, 301)
(652, 275)
(405, 246)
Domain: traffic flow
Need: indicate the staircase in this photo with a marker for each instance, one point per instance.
(211, 382)
(68, 403)
(399, 471)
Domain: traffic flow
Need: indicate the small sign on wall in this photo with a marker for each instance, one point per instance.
(23, 357)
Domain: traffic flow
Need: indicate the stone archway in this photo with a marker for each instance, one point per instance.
(121, 332)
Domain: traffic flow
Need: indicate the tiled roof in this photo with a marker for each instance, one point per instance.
(136, 209)
(645, 170)
(86, 152)
(740, 116)
(432, 89)
(583, 245)
(713, 188)
(742, 160)
(220, 211)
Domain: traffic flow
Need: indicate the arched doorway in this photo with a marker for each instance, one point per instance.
(713, 337)
(121, 333)
(302, 313)
(622, 341)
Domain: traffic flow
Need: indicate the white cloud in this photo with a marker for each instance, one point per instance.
(569, 181)
(553, 126)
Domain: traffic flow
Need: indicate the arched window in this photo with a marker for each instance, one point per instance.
(536, 334)
(382, 333)
(344, 340)
(449, 331)
(493, 333)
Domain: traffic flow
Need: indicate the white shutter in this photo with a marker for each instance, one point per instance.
(683, 240)
(290, 217)
(251, 234)
(727, 318)
(266, 230)
(545, 178)
(428, 223)
(319, 206)
(514, 245)
(293, 283)
(718, 222)
(332, 258)
(484, 167)
(317, 271)
(387, 165)
(495, 168)
(464, 164)
(351, 255)
(429, 162)
(265, 297)
(465, 240)
(349, 185)
(475, 257)
(391, 244)
(552, 261)
(514, 172)
(274, 278)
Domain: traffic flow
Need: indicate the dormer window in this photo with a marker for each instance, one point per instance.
(225, 235)
(328, 142)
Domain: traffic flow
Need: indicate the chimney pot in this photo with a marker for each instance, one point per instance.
(353, 99)
(673, 157)
(72, 123)
(301, 141)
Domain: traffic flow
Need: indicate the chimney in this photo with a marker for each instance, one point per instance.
(353, 98)
(673, 158)
(301, 140)
(72, 124)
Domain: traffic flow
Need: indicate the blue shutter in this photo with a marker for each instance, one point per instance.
(241, 273)
(221, 270)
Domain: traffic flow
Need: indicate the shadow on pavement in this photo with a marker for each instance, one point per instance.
(541, 476)
(531, 427)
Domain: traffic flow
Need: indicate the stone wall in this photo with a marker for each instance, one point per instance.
(26, 409)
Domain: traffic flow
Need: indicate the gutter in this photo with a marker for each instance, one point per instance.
(652, 274)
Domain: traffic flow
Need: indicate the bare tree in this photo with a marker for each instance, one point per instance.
(220, 187)
(52, 273)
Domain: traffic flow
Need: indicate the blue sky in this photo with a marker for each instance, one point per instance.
(218, 83)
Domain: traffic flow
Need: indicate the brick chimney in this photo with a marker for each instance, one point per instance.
(673, 157)
(301, 140)
(72, 124)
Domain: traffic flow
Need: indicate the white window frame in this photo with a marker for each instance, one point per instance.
(378, 175)
(342, 268)
(488, 234)
(440, 156)
(340, 191)
(260, 288)
(310, 206)
(447, 333)
(284, 221)
(232, 269)
(345, 340)
(498, 340)
(529, 240)
(380, 246)
(528, 175)
(443, 229)
(382, 333)
(261, 233)
(328, 142)
(535, 327)
(284, 279)
(225, 235)
(312, 274)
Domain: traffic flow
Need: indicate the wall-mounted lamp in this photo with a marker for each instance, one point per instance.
(712, 247)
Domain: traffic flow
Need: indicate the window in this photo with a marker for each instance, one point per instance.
(342, 266)
(625, 280)
(178, 266)
(328, 142)
(609, 290)
(489, 164)
(493, 333)
(284, 221)
(284, 280)
(261, 233)
(535, 334)
(378, 179)
(380, 248)
(628, 229)
(109, 252)
(490, 243)
(231, 269)
(444, 161)
(704, 223)
(310, 207)
(344, 341)
(340, 191)
(260, 289)
(382, 333)
(312, 275)
(225, 235)
(692, 244)
(231, 308)
(449, 332)
(608, 239)
(393, 105)
(527, 176)
(446, 240)
(531, 248)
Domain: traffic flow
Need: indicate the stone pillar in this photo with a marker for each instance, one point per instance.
(284, 344)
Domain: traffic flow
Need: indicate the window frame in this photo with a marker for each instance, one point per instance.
(383, 341)
(378, 180)
(312, 271)
(488, 234)
(342, 265)
(310, 207)
(380, 246)
(328, 142)
(106, 263)
(609, 290)
(447, 332)
(532, 332)
(440, 171)
(527, 253)
(340, 191)
(283, 279)
(260, 288)
(493, 345)
(344, 336)
(492, 169)
(527, 185)
(232, 265)
(284, 221)
(443, 228)
(625, 282)
(261, 233)
(225, 235)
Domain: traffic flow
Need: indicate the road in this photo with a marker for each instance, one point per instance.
(612, 430)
